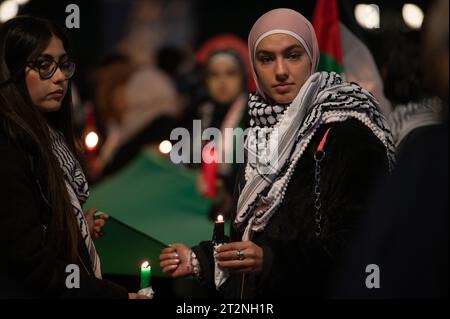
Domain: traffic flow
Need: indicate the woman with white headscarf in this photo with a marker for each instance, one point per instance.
(315, 147)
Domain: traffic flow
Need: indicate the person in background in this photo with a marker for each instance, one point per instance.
(140, 107)
(225, 108)
(414, 110)
(404, 237)
(112, 105)
(42, 186)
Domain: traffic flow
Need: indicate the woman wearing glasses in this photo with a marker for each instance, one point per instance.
(42, 187)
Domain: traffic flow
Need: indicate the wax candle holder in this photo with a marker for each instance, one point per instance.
(147, 292)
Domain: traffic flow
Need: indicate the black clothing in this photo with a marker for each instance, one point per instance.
(296, 262)
(406, 230)
(30, 268)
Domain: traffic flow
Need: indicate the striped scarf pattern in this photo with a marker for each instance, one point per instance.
(406, 118)
(276, 149)
(78, 190)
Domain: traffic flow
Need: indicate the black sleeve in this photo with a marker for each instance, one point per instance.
(29, 267)
(355, 159)
(205, 255)
(406, 229)
(94, 288)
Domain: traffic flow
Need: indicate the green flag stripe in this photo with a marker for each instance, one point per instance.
(330, 64)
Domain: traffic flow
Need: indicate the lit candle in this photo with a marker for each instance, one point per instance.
(146, 274)
(219, 230)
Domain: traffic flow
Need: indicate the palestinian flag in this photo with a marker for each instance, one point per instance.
(342, 52)
(327, 26)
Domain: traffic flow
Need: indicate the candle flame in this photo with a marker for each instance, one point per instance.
(145, 265)
(220, 218)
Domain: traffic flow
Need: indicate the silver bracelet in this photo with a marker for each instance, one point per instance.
(195, 265)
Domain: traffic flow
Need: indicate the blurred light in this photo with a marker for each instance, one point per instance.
(220, 218)
(21, 2)
(412, 15)
(165, 147)
(8, 10)
(91, 141)
(368, 15)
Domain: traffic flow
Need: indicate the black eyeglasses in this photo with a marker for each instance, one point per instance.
(47, 68)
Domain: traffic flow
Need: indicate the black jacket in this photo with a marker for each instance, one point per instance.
(296, 262)
(406, 229)
(29, 268)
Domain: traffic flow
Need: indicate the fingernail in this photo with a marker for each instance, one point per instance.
(98, 212)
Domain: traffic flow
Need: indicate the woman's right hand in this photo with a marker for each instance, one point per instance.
(175, 261)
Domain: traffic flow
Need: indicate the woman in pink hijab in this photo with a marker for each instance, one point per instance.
(315, 146)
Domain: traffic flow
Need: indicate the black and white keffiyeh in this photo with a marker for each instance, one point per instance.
(407, 117)
(78, 190)
(280, 134)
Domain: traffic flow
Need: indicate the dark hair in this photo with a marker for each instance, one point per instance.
(23, 39)
(403, 76)
(116, 73)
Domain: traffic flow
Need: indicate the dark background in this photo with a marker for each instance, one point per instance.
(103, 21)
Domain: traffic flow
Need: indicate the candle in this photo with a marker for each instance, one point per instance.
(209, 168)
(146, 274)
(219, 230)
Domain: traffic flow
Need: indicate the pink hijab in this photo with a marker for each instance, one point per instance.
(289, 22)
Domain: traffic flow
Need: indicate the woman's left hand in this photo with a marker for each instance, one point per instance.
(240, 257)
(96, 223)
